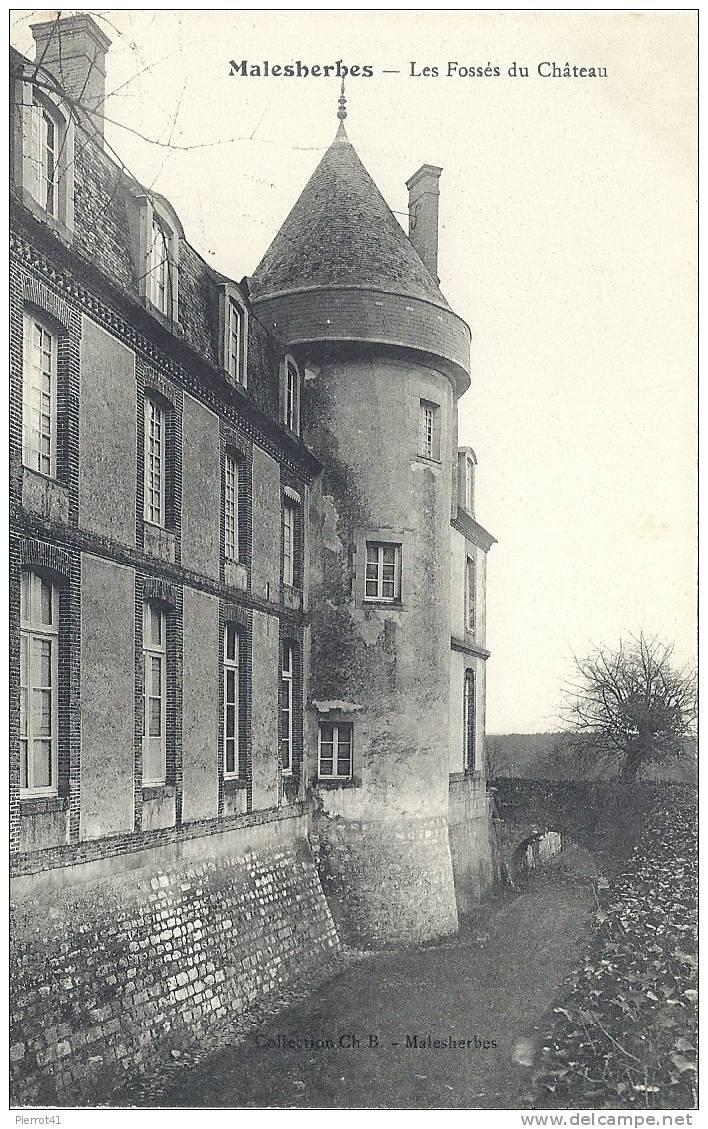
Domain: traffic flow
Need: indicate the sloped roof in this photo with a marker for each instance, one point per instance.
(341, 232)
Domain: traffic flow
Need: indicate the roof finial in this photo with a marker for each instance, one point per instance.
(342, 111)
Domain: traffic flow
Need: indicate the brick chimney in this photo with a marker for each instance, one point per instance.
(74, 50)
(423, 196)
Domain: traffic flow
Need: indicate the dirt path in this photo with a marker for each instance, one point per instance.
(492, 983)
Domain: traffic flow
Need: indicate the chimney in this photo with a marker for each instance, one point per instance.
(423, 196)
(74, 49)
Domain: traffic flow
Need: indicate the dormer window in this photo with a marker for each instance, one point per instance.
(290, 394)
(233, 346)
(45, 140)
(155, 234)
(43, 153)
(469, 485)
(159, 271)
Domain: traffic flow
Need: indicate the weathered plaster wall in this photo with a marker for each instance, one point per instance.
(459, 663)
(107, 435)
(362, 417)
(264, 716)
(116, 961)
(265, 575)
(460, 550)
(201, 489)
(200, 705)
(107, 697)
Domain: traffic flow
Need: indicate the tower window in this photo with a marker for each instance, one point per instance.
(335, 750)
(39, 644)
(429, 446)
(470, 721)
(286, 709)
(383, 569)
(39, 395)
(154, 693)
(232, 702)
(290, 394)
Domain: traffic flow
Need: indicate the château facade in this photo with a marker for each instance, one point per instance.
(248, 636)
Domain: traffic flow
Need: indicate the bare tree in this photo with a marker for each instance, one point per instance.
(630, 707)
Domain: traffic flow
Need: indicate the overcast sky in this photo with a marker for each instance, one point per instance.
(567, 243)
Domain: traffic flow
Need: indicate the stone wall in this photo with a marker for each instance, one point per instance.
(470, 846)
(116, 960)
(387, 883)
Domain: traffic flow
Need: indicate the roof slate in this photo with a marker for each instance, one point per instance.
(341, 232)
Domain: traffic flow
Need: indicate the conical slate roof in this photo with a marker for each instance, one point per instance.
(341, 232)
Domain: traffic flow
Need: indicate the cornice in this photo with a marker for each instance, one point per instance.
(465, 524)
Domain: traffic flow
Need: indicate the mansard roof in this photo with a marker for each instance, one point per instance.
(342, 233)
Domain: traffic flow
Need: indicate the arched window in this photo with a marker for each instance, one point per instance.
(43, 151)
(39, 652)
(466, 463)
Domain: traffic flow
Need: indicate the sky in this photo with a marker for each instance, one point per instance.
(567, 242)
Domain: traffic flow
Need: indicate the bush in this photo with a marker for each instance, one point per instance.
(624, 1035)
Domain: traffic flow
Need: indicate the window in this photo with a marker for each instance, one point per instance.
(155, 451)
(466, 463)
(383, 567)
(290, 395)
(233, 333)
(335, 750)
(235, 341)
(44, 145)
(469, 485)
(43, 151)
(231, 484)
(286, 709)
(156, 232)
(470, 721)
(429, 430)
(232, 701)
(289, 521)
(470, 594)
(159, 280)
(39, 644)
(154, 696)
(39, 395)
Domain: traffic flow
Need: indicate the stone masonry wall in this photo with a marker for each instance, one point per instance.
(470, 846)
(115, 959)
(387, 883)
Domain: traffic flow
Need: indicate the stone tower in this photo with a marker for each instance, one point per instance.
(386, 360)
